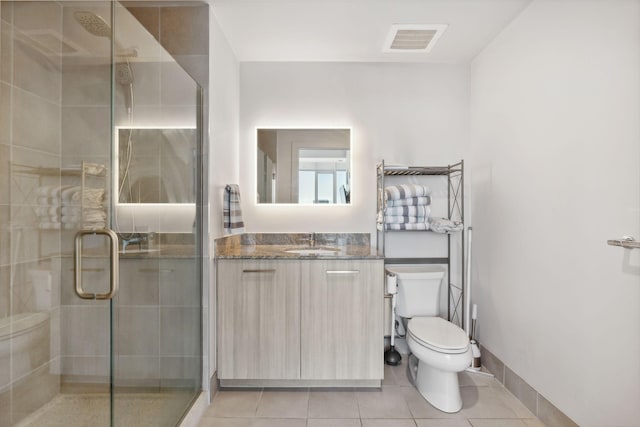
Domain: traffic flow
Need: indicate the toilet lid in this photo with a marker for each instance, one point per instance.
(438, 334)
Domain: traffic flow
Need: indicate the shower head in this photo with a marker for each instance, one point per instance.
(124, 73)
(93, 23)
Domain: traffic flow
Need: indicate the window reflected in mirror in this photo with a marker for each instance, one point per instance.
(304, 166)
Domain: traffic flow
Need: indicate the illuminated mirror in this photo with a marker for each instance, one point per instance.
(156, 165)
(304, 166)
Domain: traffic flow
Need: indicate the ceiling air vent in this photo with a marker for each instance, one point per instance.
(412, 37)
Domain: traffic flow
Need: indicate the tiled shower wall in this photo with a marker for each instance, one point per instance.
(30, 142)
(86, 136)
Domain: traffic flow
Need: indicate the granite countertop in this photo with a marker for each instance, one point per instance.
(276, 245)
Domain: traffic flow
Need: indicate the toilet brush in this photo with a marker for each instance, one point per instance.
(475, 350)
(392, 356)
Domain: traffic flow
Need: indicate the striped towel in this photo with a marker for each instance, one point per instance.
(408, 211)
(231, 211)
(411, 201)
(417, 226)
(404, 191)
(390, 219)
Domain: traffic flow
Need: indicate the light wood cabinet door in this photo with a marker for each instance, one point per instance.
(341, 305)
(258, 319)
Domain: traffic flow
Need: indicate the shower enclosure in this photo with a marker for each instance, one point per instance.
(100, 221)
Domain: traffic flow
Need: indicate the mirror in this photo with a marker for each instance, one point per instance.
(304, 166)
(156, 165)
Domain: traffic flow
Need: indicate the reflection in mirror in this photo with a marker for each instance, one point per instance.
(156, 165)
(304, 166)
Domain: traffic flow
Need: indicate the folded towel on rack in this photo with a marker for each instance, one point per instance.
(93, 225)
(68, 219)
(404, 191)
(46, 211)
(399, 219)
(50, 225)
(408, 211)
(48, 201)
(70, 210)
(94, 215)
(93, 197)
(94, 169)
(71, 195)
(444, 225)
(410, 201)
(421, 226)
(53, 191)
(232, 211)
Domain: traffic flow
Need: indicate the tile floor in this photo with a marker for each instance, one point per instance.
(486, 403)
(92, 409)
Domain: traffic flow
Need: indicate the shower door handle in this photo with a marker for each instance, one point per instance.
(626, 242)
(113, 264)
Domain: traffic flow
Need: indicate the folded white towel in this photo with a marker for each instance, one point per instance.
(404, 191)
(93, 197)
(48, 201)
(94, 215)
(67, 219)
(94, 169)
(47, 211)
(411, 201)
(49, 226)
(408, 211)
(444, 225)
(70, 210)
(71, 195)
(94, 225)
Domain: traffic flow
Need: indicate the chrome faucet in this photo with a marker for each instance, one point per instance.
(312, 239)
(135, 239)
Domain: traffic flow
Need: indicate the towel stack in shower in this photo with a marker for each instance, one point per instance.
(407, 207)
(68, 207)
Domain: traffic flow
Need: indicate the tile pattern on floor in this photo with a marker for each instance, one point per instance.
(485, 403)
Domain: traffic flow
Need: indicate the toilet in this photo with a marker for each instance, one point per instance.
(441, 348)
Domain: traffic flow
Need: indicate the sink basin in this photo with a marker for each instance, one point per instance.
(313, 251)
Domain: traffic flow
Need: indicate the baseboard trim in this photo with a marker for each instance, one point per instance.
(229, 383)
(546, 412)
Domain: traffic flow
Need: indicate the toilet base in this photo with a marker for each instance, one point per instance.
(440, 388)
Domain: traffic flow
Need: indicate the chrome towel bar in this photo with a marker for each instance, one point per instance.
(626, 242)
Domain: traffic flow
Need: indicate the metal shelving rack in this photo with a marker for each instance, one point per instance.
(455, 201)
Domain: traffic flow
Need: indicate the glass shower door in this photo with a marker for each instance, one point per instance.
(156, 149)
(99, 130)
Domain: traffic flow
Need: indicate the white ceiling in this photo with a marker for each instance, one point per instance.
(355, 30)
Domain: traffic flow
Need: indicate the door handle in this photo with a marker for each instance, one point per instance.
(336, 272)
(113, 264)
(626, 242)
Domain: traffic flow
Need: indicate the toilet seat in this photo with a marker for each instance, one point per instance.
(438, 335)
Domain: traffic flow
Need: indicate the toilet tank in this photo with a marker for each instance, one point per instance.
(418, 289)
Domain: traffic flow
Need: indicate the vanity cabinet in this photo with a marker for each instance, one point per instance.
(258, 319)
(341, 321)
(315, 322)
